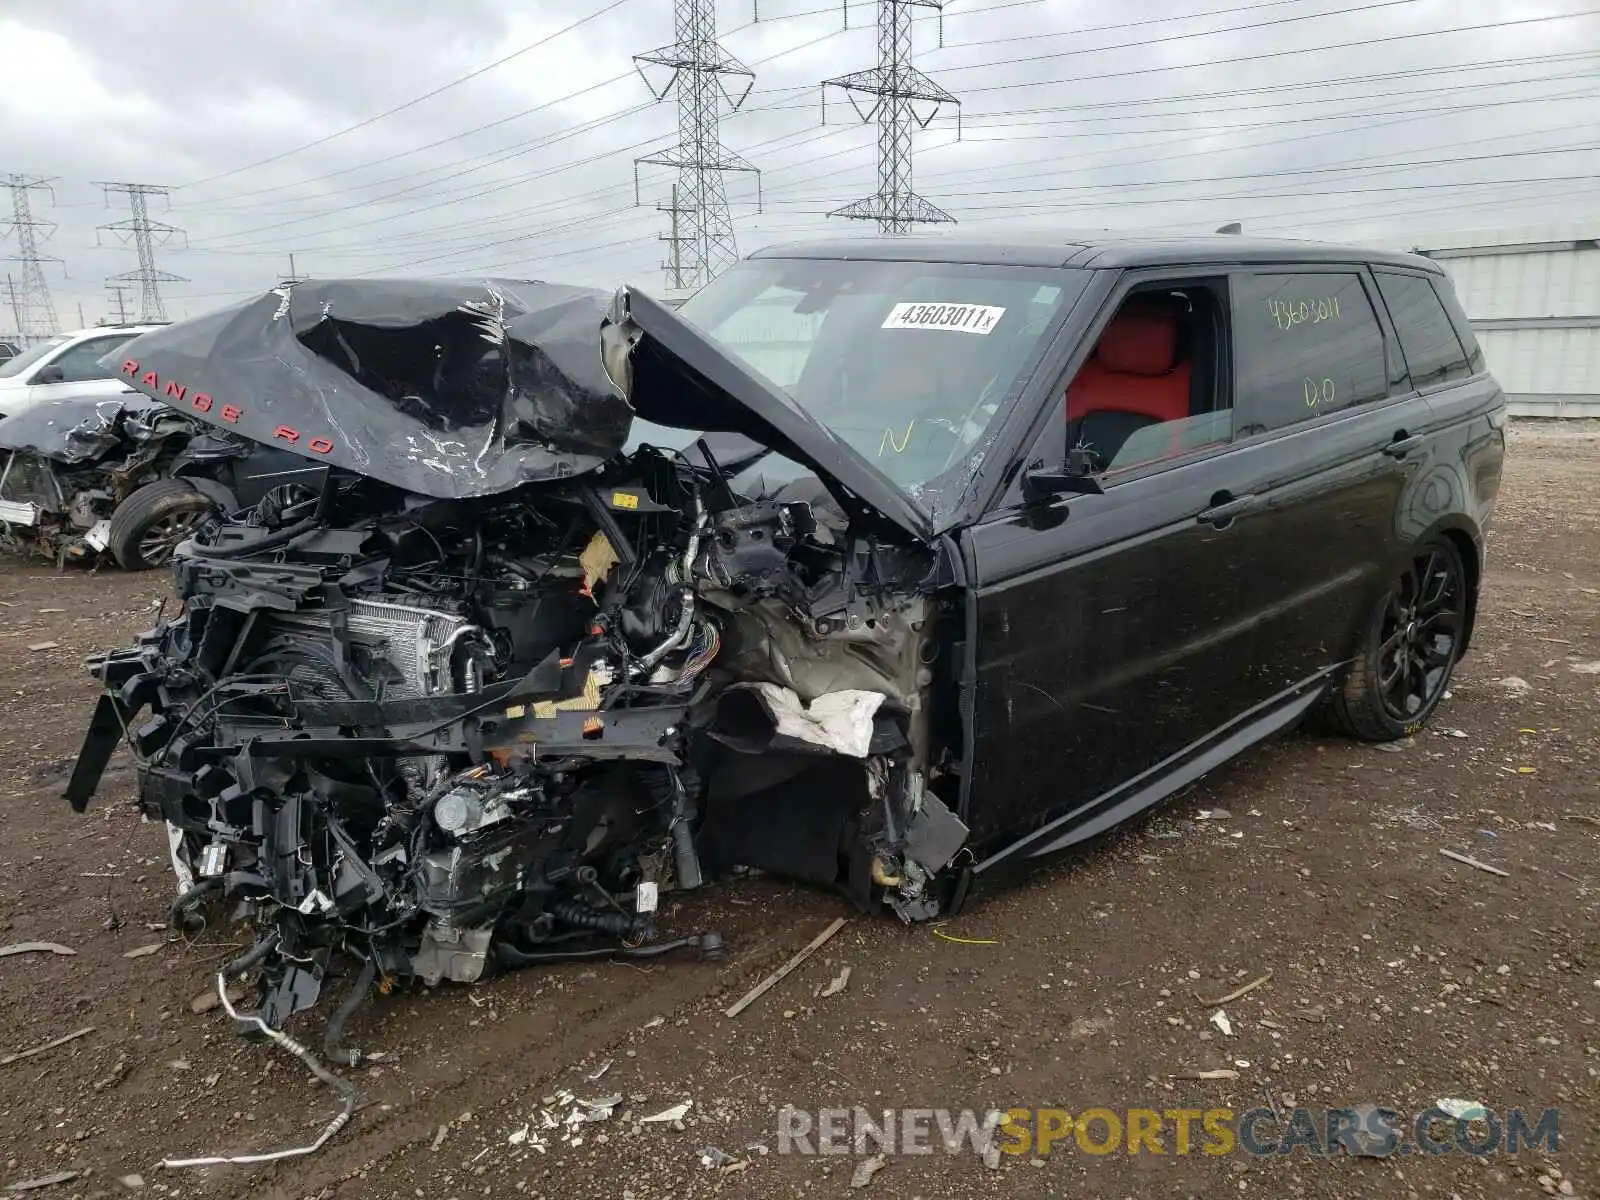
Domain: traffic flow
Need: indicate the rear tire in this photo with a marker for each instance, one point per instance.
(148, 526)
(1409, 649)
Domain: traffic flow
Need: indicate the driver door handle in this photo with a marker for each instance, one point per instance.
(1402, 445)
(1225, 506)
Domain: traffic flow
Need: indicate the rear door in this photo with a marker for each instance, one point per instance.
(1321, 382)
(1447, 366)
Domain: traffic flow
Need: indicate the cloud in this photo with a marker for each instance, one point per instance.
(1295, 116)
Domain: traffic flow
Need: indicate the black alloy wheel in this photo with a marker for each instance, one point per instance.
(1410, 648)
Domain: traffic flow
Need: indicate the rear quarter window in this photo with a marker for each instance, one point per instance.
(1428, 338)
(1305, 344)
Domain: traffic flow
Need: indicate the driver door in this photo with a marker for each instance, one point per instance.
(1117, 632)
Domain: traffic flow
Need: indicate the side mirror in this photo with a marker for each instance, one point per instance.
(1075, 477)
(51, 374)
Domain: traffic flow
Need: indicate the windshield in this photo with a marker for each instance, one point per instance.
(22, 362)
(909, 363)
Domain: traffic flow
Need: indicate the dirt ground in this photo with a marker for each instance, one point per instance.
(1398, 976)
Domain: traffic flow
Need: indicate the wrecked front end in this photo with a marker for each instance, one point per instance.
(417, 738)
(66, 465)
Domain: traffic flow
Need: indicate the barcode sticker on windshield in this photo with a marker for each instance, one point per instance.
(958, 318)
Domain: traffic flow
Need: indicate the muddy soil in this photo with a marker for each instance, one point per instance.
(1398, 976)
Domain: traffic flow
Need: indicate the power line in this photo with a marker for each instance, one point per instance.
(1493, 64)
(475, 192)
(474, 239)
(1361, 44)
(31, 305)
(575, 95)
(966, 12)
(412, 103)
(145, 235)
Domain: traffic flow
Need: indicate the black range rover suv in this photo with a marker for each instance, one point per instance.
(1210, 486)
(880, 564)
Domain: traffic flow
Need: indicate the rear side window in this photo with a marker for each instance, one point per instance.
(1463, 327)
(1306, 343)
(1427, 335)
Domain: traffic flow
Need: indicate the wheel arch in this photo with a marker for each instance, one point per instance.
(219, 493)
(1468, 542)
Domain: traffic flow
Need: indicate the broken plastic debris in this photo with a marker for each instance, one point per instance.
(594, 1110)
(653, 1022)
(1212, 814)
(713, 1156)
(646, 897)
(837, 985)
(595, 1075)
(143, 951)
(1516, 685)
(518, 1136)
(866, 1169)
(1218, 1073)
(1220, 1020)
(1462, 1110)
(668, 1115)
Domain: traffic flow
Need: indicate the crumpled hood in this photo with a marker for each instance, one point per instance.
(446, 388)
(675, 375)
(83, 430)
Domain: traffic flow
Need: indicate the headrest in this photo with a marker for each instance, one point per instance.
(1142, 339)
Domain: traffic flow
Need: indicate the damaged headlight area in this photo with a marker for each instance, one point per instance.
(417, 737)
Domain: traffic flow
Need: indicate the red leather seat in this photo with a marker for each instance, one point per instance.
(1132, 369)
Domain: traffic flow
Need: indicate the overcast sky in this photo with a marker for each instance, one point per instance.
(1293, 116)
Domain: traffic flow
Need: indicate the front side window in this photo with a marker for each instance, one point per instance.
(1427, 335)
(1153, 386)
(22, 362)
(81, 363)
(1306, 344)
(910, 364)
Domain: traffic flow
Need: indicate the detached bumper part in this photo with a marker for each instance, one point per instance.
(24, 514)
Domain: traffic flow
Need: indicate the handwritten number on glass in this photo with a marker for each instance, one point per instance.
(1286, 314)
(1318, 391)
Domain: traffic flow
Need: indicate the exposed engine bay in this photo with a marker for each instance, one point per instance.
(423, 736)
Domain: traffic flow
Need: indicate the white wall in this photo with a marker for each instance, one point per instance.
(1536, 309)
